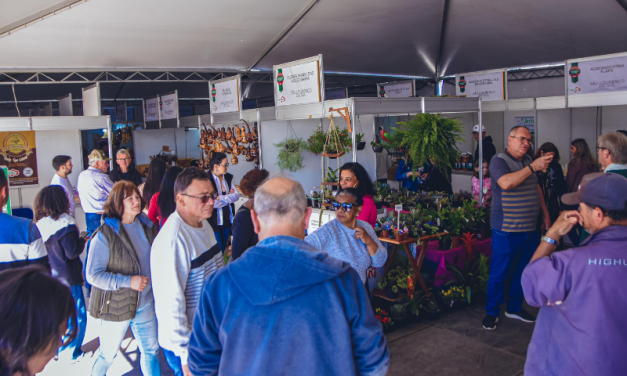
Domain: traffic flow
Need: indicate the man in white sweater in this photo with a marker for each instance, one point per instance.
(183, 255)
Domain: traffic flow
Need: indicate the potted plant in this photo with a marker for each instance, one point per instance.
(429, 307)
(471, 278)
(429, 137)
(445, 242)
(331, 177)
(455, 218)
(382, 316)
(399, 313)
(358, 139)
(376, 147)
(315, 142)
(290, 157)
(391, 291)
(453, 297)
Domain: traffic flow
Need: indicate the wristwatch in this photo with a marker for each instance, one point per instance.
(550, 241)
(531, 168)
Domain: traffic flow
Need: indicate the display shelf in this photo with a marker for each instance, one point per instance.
(329, 155)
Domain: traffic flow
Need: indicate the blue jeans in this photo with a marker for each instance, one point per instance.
(144, 327)
(509, 248)
(81, 322)
(222, 236)
(174, 362)
(92, 220)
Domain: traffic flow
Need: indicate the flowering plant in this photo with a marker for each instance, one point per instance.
(382, 316)
(452, 295)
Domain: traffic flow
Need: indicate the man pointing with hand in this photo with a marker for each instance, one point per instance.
(581, 328)
(516, 201)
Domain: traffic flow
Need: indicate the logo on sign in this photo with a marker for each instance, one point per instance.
(574, 72)
(215, 108)
(280, 79)
(13, 173)
(281, 99)
(28, 172)
(213, 92)
(462, 84)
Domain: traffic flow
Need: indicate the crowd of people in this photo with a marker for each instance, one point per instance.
(156, 261)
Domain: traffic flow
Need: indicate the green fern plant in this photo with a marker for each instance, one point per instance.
(427, 137)
(290, 157)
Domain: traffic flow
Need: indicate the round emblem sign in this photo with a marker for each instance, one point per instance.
(28, 172)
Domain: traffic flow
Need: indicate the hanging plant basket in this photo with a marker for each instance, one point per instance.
(333, 145)
(361, 145)
(290, 149)
(377, 148)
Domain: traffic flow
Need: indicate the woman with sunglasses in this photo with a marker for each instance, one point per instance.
(348, 238)
(223, 209)
(354, 175)
(118, 269)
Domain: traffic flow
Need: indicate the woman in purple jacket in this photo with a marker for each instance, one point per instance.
(64, 245)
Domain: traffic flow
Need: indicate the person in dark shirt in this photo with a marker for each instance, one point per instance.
(244, 235)
(488, 147)
(125, 171)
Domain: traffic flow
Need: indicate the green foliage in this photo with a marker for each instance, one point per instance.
(399, 311)
(344, 140)
(429, 137)
(331, 175)
(359, 137)
(315, 142)
(473, 277)
(290, 157)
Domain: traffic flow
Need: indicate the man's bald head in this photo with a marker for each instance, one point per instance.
(280, 200)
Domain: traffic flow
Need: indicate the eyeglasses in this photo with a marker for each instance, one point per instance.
(601, 148)
(225, 165)
(345, 207)
(523, 139)
(204, 199)
(124, 159)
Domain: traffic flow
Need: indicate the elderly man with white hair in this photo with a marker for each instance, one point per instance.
(124, 170)
(93, 188)
(284, 307)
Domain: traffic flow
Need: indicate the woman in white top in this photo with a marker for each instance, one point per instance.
(223, 209)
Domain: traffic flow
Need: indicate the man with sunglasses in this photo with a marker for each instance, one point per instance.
(183, 255)
(516, 202)
(124, 170)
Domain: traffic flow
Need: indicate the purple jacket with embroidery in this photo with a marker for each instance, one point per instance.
(582, 324)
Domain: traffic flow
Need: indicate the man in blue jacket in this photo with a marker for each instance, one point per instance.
(285, 308)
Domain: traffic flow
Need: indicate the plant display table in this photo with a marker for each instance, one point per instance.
(415, 262)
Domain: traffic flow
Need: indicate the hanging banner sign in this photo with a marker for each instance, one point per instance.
(152, 109)
(225, 95)
(487, 86)
(396, 90)
(297, 84)
(6, 209)
(168, 106)
(18, 152)
(597, 76)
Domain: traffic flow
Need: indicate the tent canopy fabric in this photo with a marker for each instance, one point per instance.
(392, 37)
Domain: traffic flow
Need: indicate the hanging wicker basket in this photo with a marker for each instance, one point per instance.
(332, 143)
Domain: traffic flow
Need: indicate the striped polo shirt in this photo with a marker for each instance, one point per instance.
(516, 209)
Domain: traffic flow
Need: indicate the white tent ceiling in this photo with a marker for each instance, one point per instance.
(391, 37)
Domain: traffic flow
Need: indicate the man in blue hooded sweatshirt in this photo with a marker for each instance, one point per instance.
(285, 308)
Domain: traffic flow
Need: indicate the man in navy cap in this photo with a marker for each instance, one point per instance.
(581, 328)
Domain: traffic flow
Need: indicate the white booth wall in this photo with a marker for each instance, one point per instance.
(50, 144)
(275, 131)
(613, 118)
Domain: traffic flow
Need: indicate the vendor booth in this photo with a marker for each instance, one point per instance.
(38, 140)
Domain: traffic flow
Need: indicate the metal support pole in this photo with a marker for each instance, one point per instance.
(110, 135)
(352, 117)
(259, 138)
(480, 155)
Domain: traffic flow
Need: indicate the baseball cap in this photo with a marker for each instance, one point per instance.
(606, 190)
(475, 129)
(97, 155)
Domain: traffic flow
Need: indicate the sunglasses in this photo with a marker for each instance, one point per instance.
(204, 199)
(345, 207)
